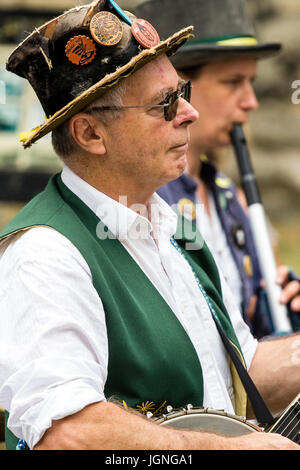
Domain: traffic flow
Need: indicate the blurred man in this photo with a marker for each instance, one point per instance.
(221, 62)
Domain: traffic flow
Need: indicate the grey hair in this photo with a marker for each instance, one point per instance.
(62, 140)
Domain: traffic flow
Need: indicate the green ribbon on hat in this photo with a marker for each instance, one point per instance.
(227, 41)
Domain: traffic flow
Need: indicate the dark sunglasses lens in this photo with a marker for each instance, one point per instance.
(171, 109)
(172, 101)
(186, 90)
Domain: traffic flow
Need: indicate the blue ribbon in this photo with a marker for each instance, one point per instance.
(120, 12)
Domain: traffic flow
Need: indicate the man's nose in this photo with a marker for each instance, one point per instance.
(249, 101)
(186, 113)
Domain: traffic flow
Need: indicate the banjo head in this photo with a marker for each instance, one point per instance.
(209, 420)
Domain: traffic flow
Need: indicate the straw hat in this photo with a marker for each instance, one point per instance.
(73, 59)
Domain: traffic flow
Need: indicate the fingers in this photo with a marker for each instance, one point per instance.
(282, 275)
(295, 304)
(291, 292)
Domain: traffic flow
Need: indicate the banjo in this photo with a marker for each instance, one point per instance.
(199, 418)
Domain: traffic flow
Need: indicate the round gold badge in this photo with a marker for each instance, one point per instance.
(80, 50)
(145, 33)
(223, 182)
(106, 28)
(187, 208)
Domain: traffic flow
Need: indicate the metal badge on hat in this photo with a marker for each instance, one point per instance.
(142, 30)
(80, 50)
(106, 28)
(145, 33)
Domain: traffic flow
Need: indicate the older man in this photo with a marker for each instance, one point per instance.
(99, 293)
(221, 62)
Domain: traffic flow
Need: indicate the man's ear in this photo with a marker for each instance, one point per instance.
(88, 133)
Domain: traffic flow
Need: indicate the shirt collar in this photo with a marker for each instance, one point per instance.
(122, 221)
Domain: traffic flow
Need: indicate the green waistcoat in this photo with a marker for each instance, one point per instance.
(151, 358)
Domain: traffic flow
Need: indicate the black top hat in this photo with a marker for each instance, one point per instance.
(221, 27)
(73, 59)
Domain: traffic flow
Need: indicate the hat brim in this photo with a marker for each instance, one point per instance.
(168, 46)
(196, 55)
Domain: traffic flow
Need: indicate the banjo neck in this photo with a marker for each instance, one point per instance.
(288, 425)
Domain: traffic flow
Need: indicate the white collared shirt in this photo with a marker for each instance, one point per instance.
(214, 235)
(53, 340)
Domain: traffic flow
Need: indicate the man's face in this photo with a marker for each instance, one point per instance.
(223, 95)
(144, 148)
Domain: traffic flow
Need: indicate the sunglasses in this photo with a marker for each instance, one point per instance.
(169, 104)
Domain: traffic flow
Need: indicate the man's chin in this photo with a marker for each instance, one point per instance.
(179, 171)
(182, 165)
(171, 176)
